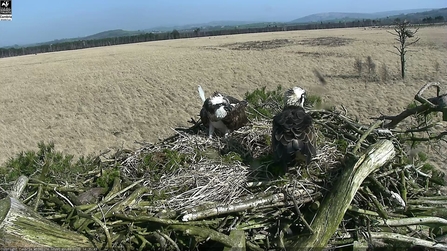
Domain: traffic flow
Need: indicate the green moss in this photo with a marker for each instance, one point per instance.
(427, 168)
(174, 159)
(412, 105)
(232, 157)
(422, 156)
(267, 139)
(342, 145)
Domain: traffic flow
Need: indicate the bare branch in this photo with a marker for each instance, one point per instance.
(437, 137)
(434, 104)
(415, 41)
(423, 100)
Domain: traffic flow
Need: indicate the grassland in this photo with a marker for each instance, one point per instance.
(103, 98)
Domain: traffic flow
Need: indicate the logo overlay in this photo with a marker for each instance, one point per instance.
(5, 10)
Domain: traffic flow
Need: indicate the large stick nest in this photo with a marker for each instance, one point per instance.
(224, 184)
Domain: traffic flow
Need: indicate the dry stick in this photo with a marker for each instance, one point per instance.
(106, 231)
(149, 219)
(364, 135)
(205, 233)
(29, 198)
(39, 194)
(300, 214)
(160, 240)
(423, 100)
(169, 239)
(413, 241)
(253, 246)
(143, 241)
(83, 222)
(379, 186)
(403, 190)
(104, 201)
(376, 202)
(337, 201)
(428, 221)
(424, 201)
(362, 211)
(428, 105)
(233, 208)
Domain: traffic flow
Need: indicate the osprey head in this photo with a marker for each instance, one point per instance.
(217, 105)
(295, 96)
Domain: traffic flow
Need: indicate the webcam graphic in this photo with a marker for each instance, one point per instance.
(5, 10)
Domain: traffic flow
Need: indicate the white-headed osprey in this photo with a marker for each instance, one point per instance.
(293, 134)
(222, 112)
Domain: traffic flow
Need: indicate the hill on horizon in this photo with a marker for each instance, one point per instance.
(320, 17)
(328, 16)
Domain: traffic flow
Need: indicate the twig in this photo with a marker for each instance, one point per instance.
(63, 197)
(39, 194)
(364, 135)
(106, 231)
(376, 202)
(423, 100)
(362, 211)
(169, 239)
(300, 215)
(205, 233)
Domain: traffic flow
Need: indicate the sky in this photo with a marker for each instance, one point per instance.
(41, 21)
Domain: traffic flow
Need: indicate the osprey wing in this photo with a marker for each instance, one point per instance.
(236, 117)
(204, 117)
(293, 132)
(232, 100)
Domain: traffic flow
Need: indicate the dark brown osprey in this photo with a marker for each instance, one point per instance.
(222, 112)
(293, 133)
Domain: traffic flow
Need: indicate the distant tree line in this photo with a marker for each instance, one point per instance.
(82, 44)
(436, 19)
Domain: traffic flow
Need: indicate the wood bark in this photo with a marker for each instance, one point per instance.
(337, 201)
(20, 226)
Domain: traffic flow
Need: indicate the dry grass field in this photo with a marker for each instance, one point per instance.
(103, 98)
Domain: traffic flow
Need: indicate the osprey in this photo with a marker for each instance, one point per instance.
(293, 134)
(222, 112)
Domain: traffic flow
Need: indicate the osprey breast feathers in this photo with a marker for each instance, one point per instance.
(223, 112)
(218, 106)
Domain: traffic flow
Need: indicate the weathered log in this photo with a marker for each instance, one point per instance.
(20, 226)
(337, 201)
(19, 186)
(412, 241)
(428, 221)
(245, 205)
